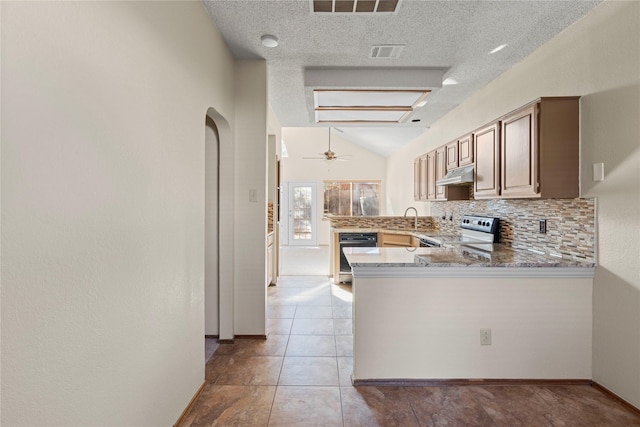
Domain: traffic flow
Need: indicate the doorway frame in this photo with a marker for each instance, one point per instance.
(314, 213)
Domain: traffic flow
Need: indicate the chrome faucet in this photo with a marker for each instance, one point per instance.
(415, 221)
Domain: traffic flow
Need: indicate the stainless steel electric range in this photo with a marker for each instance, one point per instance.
(475, 231)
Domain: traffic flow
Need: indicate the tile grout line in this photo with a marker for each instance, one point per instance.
(284, 355)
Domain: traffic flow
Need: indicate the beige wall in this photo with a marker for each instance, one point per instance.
(597, 58)
(311, 142)
(103, 180)
(250, 216)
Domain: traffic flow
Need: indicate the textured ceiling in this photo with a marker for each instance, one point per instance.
(453, 35)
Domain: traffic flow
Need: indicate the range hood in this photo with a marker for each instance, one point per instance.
(458, 176)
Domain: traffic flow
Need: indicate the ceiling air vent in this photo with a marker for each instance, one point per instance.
(354, 6)
(389, 51)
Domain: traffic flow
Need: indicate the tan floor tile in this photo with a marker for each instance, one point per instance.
(311, 345)
(274, 345)
(316, 371)
(565, 404)
(231, 406)
(312, 327)
(512, 406)
(342, 312)
(451, 405)
(344, 345)
(314, 312)
(275, 311)
(306, 407)
(279, 326)
(343, 326)
(376, 406)
(324, 300)
(230, 370)
(303, 281)
(345, 370)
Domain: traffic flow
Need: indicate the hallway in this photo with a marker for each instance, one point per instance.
(300, 376)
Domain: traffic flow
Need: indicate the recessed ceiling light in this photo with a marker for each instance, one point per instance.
(269, 41)
(498, 49)
(449, 81)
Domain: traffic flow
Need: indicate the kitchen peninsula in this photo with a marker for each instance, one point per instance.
(434, 314)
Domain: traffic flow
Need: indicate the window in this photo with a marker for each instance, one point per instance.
(352, 198)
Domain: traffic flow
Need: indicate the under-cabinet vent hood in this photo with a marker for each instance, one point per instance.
(458, 176)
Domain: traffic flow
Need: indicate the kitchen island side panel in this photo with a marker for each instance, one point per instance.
(429, 328)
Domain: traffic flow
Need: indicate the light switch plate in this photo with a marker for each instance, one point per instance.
(598, 172)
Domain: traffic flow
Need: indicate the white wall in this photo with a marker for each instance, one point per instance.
(597, 58)
(251, 216)
(311, 142)
(103, 127)
(540, 327)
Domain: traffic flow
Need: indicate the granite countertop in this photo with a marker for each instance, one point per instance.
(457, 256)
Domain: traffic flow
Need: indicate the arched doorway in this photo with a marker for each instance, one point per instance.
(212, 229)
(219, 225)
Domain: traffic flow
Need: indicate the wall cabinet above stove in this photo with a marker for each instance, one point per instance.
(459, 152)
(532, 152)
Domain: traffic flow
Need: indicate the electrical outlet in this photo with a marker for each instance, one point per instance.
(543, 226)
(485, 336)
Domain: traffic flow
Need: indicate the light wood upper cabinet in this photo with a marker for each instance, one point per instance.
(431, 175)
(441, 171)
(460, 152)
(532, 152)
(430, 168)
(540, 150)
(452, 155)
(424, 178)
(487, 167)
(465, 150)
(416, 179)
(519, 154)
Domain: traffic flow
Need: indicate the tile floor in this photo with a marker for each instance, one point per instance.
(300, 376)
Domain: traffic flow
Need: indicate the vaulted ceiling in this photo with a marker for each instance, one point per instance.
(453, 38)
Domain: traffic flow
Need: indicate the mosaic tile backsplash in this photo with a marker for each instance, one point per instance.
(570, 223)
(425, 223)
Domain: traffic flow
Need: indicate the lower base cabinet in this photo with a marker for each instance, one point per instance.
(388, 240)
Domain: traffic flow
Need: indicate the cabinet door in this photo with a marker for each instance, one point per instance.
(424, 177)
(431, 175)
(441, 171)
(487, 156)
(519, 152)
(465, 150)
(416, 179)
(394, 240)
(452, 155)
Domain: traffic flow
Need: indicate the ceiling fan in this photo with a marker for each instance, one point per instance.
(329, 155)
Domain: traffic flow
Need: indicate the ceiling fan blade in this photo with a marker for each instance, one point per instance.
(313, 158)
